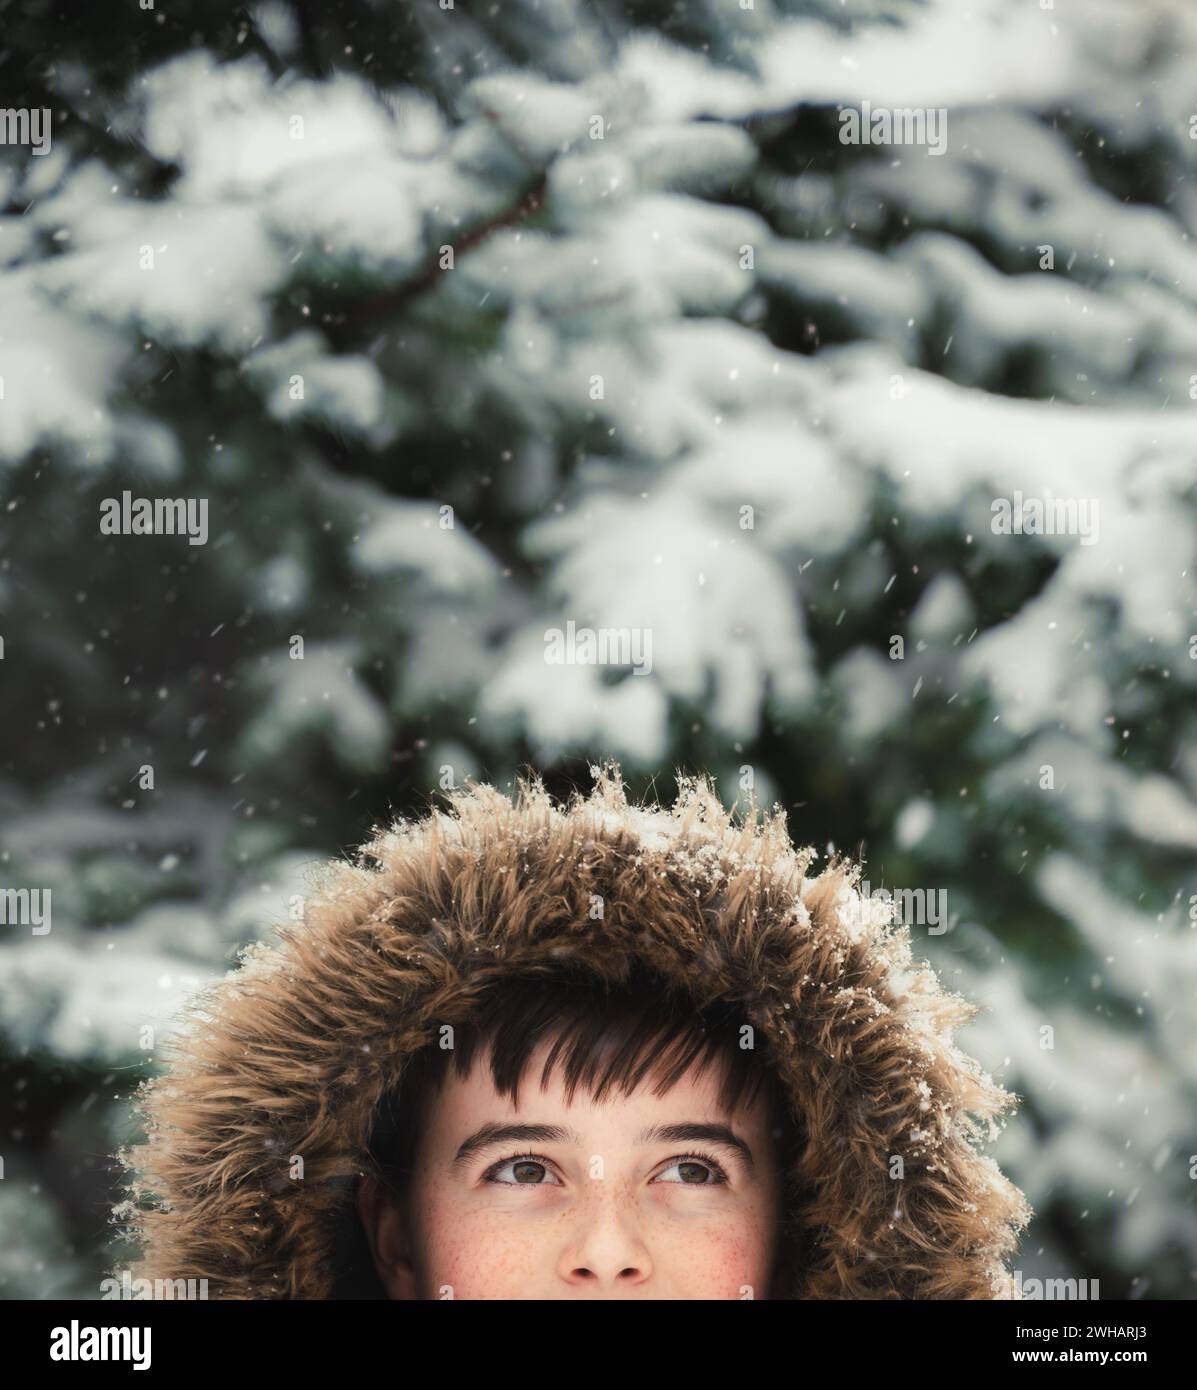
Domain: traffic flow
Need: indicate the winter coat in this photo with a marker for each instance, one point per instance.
(290, 1054)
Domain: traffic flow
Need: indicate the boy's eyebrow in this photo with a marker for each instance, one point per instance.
(491, 1134)
(693, 1133)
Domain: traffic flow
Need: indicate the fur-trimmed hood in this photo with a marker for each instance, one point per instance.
(291, 1053)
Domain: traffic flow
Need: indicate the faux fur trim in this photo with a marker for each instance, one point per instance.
(290, 1054)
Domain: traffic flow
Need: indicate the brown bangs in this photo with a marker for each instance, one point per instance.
(604, 1041)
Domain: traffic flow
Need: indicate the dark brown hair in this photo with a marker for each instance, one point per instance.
(603, 1040)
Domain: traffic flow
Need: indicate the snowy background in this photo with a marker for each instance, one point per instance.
(699, 368)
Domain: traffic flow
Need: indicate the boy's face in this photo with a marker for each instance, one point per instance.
(610, 1200)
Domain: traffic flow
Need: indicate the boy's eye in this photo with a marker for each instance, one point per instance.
(528, 1172)
(698, 1172)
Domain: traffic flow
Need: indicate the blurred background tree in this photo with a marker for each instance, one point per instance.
(469, 324)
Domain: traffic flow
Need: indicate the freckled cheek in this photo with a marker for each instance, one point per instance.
(478, 1253)
(717, 1254)
(714, 1264)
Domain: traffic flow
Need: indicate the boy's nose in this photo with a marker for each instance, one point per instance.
(606, 1254)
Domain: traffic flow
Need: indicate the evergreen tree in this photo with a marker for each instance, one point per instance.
(465, 326)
